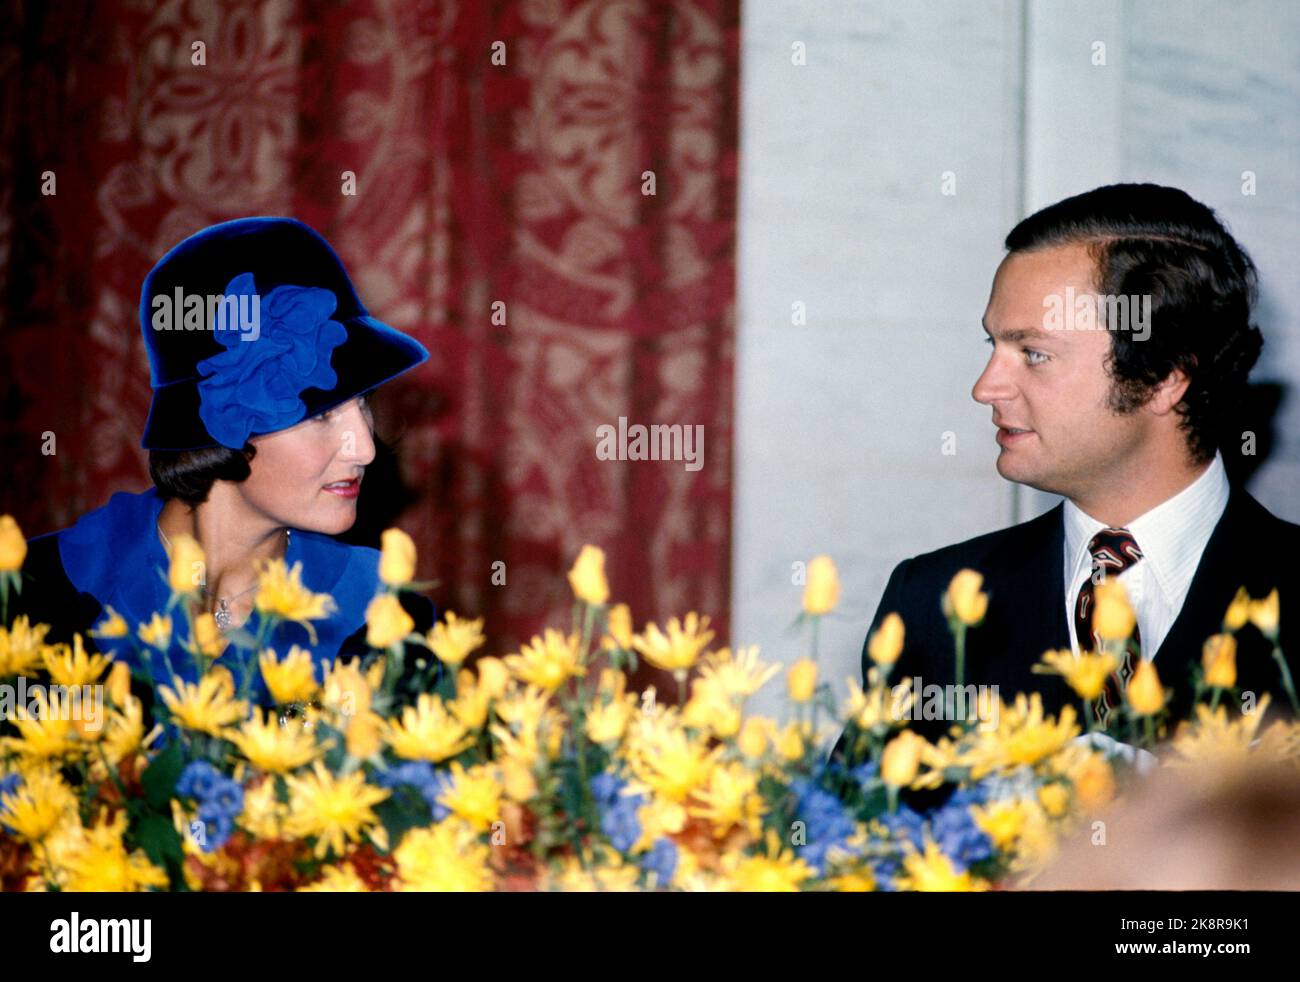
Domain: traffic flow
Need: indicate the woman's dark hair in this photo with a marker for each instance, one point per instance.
(189, 474)
(1155, 241)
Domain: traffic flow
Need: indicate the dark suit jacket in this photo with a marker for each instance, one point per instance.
(1026, 614)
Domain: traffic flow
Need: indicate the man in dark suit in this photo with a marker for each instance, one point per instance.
(1118, 406)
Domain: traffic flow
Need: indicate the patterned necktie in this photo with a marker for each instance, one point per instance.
(1113, 550)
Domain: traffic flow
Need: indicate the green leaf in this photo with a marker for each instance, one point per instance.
(156, 835)
(160, 777)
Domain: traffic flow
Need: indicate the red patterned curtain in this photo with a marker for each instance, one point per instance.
(502, 153)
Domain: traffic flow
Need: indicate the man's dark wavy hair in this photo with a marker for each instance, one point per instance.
(1148, 239)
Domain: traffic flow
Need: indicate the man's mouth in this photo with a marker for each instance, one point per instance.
(1011, 434)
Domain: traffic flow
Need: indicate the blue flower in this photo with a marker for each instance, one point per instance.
(661, 860)
(620, 823)
(420, 775)
(254, 385)
(605, 788)
(197, 780)
(905, 825)
(827, 824)
(215, 830)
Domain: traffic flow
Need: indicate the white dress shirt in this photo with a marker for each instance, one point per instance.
(1172, 537)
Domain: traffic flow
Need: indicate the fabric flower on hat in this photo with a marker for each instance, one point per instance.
(253, 386)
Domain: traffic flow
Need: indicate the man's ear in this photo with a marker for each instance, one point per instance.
(1169, 393)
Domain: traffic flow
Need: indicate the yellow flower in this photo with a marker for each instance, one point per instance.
(1145, 694)
(1214, 739)
(264, 813)
(119, 683)
(102, 864)
(21, 647)
(387, 622)
(672, 764)
(274, 748)
(821, 592)
(619, 627)
(126, 732)
(397, 558)
(711, 708)
(964, 599)
(158, 632)
(1086, 674)
(1002, 820)
(446, 857)
(292, 679)
(493, 676)
(208, 638)
(858, 881)
(113, 625)
(13, 547)
(1238, 611)
(337, 879)
(933, 872)
(281, 594)
(208, 706)
(1113, 618)
(517, 781)
(607, 719)
(901, 759)
(754, 736)
(731, 798)
(46, 733)
(332, 809)
(1264, 615)
(587, 577)
(678, 650)
(474, 796)
(38, 805)
(737, 675)
(71, 666)
(1054, 798)
(880, 707)
(364, 736)
(187, 571)
(658, 818)
(776, 871)
(1219, 660)
(1094, 782)
(549, 661)
(348, 691)
(1024, 736)
(454, 639)
(802, 680)
(427, 731)
(886, 642)
(790, 743)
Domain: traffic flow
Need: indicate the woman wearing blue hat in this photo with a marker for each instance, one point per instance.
(259, 435)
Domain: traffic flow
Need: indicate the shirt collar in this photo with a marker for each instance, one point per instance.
(1172, 535)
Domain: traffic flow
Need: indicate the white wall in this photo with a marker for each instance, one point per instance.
(840, 421)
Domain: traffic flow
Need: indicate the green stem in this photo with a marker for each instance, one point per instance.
(1287, 682)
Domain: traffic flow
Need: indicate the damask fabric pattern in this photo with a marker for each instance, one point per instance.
(502, 154)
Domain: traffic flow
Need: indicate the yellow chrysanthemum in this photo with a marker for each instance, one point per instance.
(158, 632)
(474, 796)
(471, 703)
(70, 665)
(337, 879)
(549, 661)
(290, 679)
(672, 764)
(678, 650)
(264, 813)
(21, 647)
(775, 871)
(208, 706)
(731, 798)
(271, 747)
(46, 734)
(1023, 736)
(333, 810)
(1213, 738)
(38, 805)
(880, 707)
(738, 674)
(454, 639)
(712, 709)
(446, 857)
(608, 718)
(1085, 673)
(347, 690)
(281, 594)
(933, 872)
(427, 731)
(103, 865)
(111, 625)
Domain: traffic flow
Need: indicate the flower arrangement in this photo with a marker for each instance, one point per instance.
(540, 769)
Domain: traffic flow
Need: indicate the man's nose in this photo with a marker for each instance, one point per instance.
(994, 383)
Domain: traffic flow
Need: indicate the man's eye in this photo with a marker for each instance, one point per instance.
(1035, 357)
(987, 339)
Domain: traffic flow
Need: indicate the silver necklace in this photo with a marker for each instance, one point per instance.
(222, 614)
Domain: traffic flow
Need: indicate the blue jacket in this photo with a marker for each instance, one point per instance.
(113, 557)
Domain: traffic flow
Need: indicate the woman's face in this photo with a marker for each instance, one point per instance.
(309, 475)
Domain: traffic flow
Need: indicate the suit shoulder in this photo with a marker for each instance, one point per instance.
(980, 552)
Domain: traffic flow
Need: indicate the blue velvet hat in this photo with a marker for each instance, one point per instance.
(252, 326)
